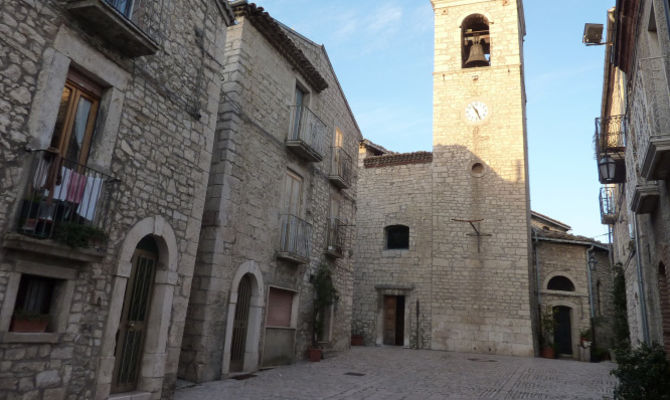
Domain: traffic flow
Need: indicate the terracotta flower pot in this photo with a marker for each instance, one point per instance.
(314, 354)
(29, 325)
(357, 340)
(548, 352)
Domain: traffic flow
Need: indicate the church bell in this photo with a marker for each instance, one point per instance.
(476, 57)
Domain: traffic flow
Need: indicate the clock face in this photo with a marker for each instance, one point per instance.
(476, 111)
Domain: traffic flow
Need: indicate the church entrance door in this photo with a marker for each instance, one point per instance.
(394, 320)
(563, 330)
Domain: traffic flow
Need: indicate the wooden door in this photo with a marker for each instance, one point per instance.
(563, 330)
(293, 194)
(132, 327)
(240, 325)
(390, 306)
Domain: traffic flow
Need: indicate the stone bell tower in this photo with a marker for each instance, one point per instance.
(481, 295)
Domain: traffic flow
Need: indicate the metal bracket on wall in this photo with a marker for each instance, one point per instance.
(477, 233)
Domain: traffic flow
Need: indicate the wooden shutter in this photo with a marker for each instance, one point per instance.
(280, 305)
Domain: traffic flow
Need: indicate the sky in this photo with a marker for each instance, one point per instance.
(382, 52)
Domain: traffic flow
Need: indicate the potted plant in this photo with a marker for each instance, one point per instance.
(548, 325)
(585, 337)
(325, 295)
(28, 321)
(79, 235)
(357, 339)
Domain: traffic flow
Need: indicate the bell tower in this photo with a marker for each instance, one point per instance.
(481, 294)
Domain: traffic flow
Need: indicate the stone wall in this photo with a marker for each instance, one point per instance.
(647, 107)
(151, 138)
(245, 199)
(393, 195)
(555, 258)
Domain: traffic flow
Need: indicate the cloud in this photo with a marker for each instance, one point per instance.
(386, 19)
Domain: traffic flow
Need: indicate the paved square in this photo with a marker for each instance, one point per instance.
(395, 373)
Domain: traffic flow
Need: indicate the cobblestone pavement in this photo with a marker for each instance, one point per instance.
(394, 374)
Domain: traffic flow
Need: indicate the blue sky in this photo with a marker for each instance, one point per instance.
(382, 52)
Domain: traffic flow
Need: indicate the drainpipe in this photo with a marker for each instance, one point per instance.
(592, 309)
(538, 284)
(640, 283)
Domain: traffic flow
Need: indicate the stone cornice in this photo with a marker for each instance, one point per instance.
(390, 160)
(276, 36)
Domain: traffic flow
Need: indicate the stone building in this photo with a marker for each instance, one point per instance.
(280, 198)
(632, 148)
(443, 238)
(578, 294)
(108, 112)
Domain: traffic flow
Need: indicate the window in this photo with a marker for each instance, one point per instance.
(397, 237)
(476, 42)
(293, 194)
(75, 123)
(300, 102)
(33, 307)
(561, 283)
(280, 307)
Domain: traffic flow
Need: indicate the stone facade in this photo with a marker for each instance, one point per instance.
(455, 290)
(257, 178)
(157, 84)
(634, 200)
(559, 255)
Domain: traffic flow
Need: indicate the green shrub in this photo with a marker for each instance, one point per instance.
(620, 323)
(78, 235)
(644, 374)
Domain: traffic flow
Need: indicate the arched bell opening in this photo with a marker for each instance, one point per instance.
(476, 42)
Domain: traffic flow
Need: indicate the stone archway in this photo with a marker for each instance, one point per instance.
(157, 325)
(247, 274)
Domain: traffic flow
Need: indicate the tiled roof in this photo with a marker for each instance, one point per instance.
(389, 160)
(564, 236)
(375, 147)
(278, 38)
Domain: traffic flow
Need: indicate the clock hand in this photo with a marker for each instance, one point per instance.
(477, 112)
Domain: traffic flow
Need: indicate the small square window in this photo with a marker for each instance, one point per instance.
(33, 309)
(397, 237)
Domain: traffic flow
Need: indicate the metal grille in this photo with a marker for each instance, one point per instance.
(132, 328)
(62, 192)
(336, 236)
(607, 205)
(295, 236)
(308, 129)
(240, 325)
(342, 165)
(147, 15)
(610, 135)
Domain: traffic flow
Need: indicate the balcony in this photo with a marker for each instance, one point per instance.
(645, 198)
(336, 237)
(607, 206)
(610, 142)
(131, 27)
(307, 136)
(65, 201)
(654, 119)
(340, 169)
(296, 237)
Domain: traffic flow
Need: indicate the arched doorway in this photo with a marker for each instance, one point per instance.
(665, 306)
(563, 330)
(240, 324)
(134, 316)
(244, 320)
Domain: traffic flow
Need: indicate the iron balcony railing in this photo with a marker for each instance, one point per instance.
(341, 168)
(61, 194)
(296, 235)
(308, 133)
(610, 135)
(607, 206)
(135, 27)
(336, 236)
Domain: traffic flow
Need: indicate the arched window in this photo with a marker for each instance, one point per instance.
(397, 237)
(561, 283)
(476, 42)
